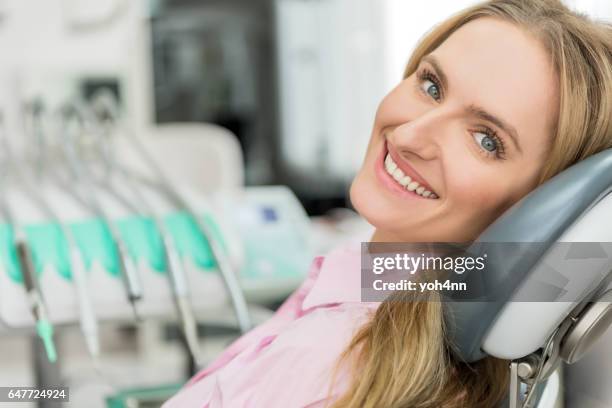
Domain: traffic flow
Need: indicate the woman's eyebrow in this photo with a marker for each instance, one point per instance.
(473, 109)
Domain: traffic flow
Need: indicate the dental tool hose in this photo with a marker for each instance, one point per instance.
(176, 275)
(106, 103)
(129, 272)
(87, 317)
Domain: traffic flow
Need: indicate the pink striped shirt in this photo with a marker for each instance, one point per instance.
(287, 361)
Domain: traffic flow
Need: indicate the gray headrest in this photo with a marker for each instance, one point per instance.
(540, 217)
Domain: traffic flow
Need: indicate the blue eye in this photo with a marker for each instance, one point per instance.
(432, 89)
(490, 144)
(430, 84)
(486, 141)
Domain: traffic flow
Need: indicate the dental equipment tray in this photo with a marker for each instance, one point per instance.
(264, 230)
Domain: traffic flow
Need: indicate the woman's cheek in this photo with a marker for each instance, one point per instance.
(477, 193)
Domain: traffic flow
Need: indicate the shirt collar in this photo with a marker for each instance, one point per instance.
(339, 278)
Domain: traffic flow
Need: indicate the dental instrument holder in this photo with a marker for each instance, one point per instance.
(107, 106)
(266, 278)
(59, 287)
(267, 275)
(543, 217)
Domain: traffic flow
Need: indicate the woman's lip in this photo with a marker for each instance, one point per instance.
(389, 182)
(407, 169)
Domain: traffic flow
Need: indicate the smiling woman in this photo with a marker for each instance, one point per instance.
(494, 101)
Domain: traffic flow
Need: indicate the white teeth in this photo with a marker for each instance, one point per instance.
(406, 181)
(398, 174)
(390, 164)
(412, 186)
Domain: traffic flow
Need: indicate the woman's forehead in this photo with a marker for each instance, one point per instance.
(503, 68)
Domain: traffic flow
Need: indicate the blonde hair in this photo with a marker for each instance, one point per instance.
(401, 357)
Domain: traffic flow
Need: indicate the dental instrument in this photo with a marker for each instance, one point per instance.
(44, 328)
(129, 272)
(87, 317)
(105, 104)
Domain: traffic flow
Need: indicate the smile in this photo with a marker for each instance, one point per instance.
(405, 180)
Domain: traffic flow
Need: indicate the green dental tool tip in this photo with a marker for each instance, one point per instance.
(45, 332)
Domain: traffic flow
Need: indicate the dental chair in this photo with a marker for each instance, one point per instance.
(546, 295)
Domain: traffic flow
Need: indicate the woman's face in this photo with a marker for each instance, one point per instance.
(471, 126)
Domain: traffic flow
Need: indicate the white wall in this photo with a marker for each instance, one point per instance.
(598, 9)
(405, 23)
(45, 54)
(330, 65)
(37, 36)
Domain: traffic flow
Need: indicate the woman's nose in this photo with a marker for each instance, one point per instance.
(421, 135)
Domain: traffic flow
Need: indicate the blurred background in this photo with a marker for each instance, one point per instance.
(293, 83)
